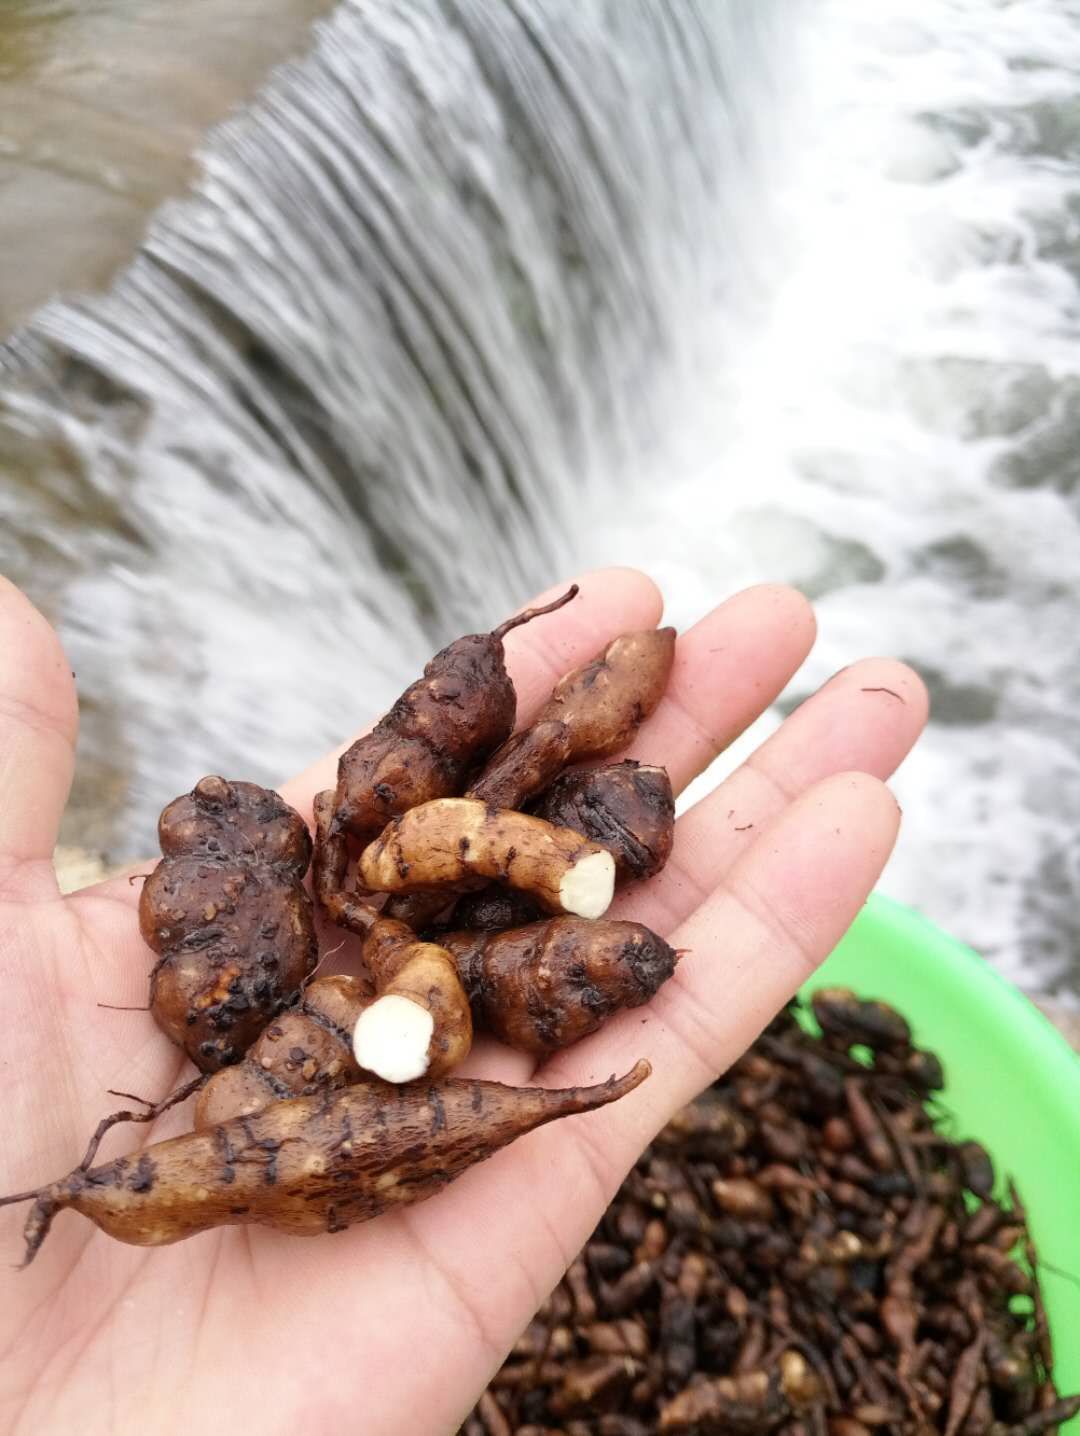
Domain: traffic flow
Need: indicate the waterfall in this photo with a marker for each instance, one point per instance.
(351, 392)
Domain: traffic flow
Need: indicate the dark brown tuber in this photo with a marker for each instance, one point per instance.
(441, 727)
(627, 807)
(226, 911)
(541, 987)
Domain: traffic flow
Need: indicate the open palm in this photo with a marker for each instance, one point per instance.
(395, 1326)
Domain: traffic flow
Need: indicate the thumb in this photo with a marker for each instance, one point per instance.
(38, 723)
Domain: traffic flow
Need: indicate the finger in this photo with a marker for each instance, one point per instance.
(865, 720)
(728, 668)
(610, 601)
(774, 917)
(38, 722)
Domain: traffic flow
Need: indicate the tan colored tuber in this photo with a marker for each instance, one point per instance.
(452, 840)
(303, 1051)
(309, 1164)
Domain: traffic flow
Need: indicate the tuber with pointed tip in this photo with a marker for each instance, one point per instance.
(303, 1051)
(442, 726)
(593, 712)
(524, 765)
(226, 912)
(310, 1164)
(542, 987)
(451, 840)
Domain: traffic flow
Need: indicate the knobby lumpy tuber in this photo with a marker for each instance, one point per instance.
(451, 840)
(541, 987)
(226, 911)
(305, 1050)
(310, 1164)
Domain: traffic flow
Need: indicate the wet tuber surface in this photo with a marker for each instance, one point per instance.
(226, 911)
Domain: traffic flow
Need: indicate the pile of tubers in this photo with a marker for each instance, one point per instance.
(476, 864)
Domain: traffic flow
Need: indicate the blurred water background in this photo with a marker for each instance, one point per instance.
(466, 295)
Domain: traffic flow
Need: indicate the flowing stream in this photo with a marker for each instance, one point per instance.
(469, 295)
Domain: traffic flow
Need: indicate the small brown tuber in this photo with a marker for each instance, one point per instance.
(226, 911)
(593, 712)
(525, 764)
(304, 1051)
(541, 987)
(627, 807)
(451, 840)
(310, 1164)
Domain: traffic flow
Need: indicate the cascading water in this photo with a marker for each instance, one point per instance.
(350, 393)
(475, 293)
(899, 438)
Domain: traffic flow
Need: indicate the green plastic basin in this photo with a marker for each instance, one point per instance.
(1012, 1083)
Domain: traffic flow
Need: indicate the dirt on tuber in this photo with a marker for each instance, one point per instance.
(593, 712)
(627, 807)
(440, 728)
(226, 911)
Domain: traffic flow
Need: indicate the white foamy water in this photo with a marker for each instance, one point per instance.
(893, 425)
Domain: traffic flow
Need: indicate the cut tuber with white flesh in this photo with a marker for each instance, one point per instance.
(420, 1024)
(446, 842)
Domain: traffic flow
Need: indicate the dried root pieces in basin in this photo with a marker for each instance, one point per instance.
(444, 843)
(542, 987)
(226, 911)
(310, 1164)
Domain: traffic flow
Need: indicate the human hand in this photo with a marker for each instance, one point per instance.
(396, 1325)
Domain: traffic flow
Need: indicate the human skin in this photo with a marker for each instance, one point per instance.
(396, 1325)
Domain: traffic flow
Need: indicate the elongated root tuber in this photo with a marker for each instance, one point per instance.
(304, 1051)
(441, 726)
(226, 911)
(441, 844)
(592, 712)
(541, 987)
(310, 1164)
(525, 764)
